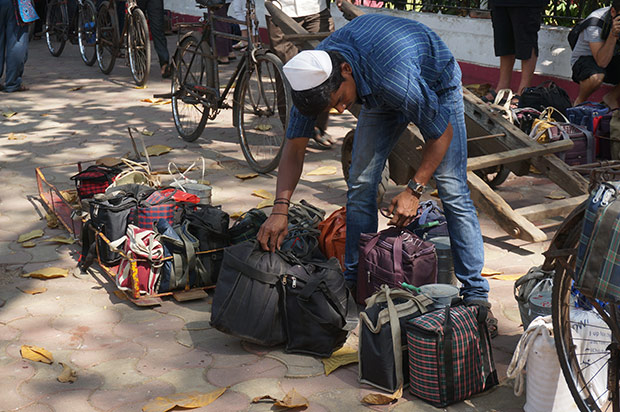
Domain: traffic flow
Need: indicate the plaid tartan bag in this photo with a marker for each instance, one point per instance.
(597, 270)
(450, 356)
(95, 179)
(162, 204)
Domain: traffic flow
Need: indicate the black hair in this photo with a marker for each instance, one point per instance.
(616, 5)
(315, 101)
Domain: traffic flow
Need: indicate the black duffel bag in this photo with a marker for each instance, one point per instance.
(547, 94)
(246, 301)
(317, 307)
(110, 214)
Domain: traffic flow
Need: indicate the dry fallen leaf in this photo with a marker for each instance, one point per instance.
(157, 149)
(33, 234)
(244, 176)
(262, 193)
(323, 171)
(67, 375)
(146, 133)
(36, 354)
(8, 115)
(381, 399)
(61, 239)
(435, 193)
(109, 161)
(150, 100)
(341, 357)
(183, 400)
(30, 243)
(140, 87)
(52, 220)
(75, 89)
(263, 127)
(490, 272)
(33, 291)
(506, 277)
(13, 136)
(291, 400)
(333, 111)
(44, 114)
(553, 196)
(47, 273)
(265, 203)
(70, 196)
(236, 215)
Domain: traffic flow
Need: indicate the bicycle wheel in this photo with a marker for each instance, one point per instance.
(191, 78)
(263, 101)
(139, 47)
(56, 26)
(87, 19)
(107, 44)
(586, 346)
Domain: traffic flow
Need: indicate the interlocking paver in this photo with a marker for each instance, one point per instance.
(123, 350)
(260, 387)
(187, 380)
(264, 368)
(131, 394)
(44, 382)
(298, 366)
(69, 400)
(11, 375)
(160, 360)
(36, 330)
(119, 373)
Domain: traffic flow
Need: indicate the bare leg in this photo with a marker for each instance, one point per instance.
(527, 72)
(506, 63)
(588, 86)
(611, 98)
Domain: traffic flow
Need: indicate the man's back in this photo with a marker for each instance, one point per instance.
(591, 34)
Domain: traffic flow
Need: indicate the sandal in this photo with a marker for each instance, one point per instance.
(514, 102)
(323, 139)
(166, 71)
(492, 325)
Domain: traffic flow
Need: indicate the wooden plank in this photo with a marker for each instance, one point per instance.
(480, 162)
(557, 208)
(191, 294)
(550, 165)
(289, 26)
(496, 207)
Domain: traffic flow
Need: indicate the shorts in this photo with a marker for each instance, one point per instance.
(586, 66)
(515, 30)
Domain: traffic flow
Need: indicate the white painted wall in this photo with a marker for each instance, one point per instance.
(470, 39)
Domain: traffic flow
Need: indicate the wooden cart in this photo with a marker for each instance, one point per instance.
(497, 141)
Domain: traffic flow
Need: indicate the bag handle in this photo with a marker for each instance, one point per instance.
(251, 271)
(397, 249)
(549, 111)
(448, 355)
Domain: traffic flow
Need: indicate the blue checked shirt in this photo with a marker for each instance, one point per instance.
(398, 64)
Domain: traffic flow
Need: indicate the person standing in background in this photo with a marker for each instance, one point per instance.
(154, 9)
(14, 17)
(223, 47)
(314, 16)
(515, 33)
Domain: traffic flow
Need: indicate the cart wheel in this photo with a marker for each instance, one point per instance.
(346, 158)
(493, 176)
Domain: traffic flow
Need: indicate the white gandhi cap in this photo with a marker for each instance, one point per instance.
(308, 69)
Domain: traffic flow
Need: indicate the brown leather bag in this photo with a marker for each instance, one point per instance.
(333, 235)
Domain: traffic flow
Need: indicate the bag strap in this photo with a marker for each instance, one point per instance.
(485, 340)
(397, 249)
(396, 342)
(250, 271)
(448, 355)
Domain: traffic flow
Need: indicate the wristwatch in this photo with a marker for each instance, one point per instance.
(417, 188)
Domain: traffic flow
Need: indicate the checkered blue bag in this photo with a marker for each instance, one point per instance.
(597, 270)
(450, 356)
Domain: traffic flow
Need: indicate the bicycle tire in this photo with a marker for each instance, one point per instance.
(263, 102)
(584, 362)
(56, 25)
(87, 20)
(106, 44)
(192, 72)
(493, 176)
(139, 47)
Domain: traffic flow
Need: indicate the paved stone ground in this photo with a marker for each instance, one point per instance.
(125, 355)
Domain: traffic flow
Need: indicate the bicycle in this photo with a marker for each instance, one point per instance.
(79, 29)
(586, 330)
(134, 39)
(261, 98)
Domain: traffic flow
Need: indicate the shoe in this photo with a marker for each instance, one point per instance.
(232, 56)
(223, 60)
(166, 71)
(21, 88)
(323, 139)
(240, 45)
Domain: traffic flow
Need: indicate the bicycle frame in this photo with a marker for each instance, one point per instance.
(130, 6)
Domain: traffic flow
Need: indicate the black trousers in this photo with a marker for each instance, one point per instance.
(154, 10)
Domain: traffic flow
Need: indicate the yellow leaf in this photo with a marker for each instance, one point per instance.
(75, 89)
(36, 354)
(341, 357)
(262, 193)
(33, 234)
(29, 243)
(291, 400)
(322, 171)
(44, 114)
(61, 239)
(8, 115)
(490, 272)
(13, 136)
(333, 111)
(157, 149)
(70, 196)
(33, 291)
(109, 161)
(150, 100)
(236, 215)
(120, 294)
(140, 87)
(182, 400)
(263, 127)
(67, 374)
(162, 102)
(554, 196)
(506, 277)
(435, 193)
(381, 399)
(244, 176)
(264, 203)
(48, 273)
(52, 220)
(146, 133)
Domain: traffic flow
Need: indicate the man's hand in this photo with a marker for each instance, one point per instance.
(615, 27)
(339, 3)
(272, 232)
(404, 206)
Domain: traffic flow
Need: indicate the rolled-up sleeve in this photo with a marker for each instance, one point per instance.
(299, 125)
(407, 92)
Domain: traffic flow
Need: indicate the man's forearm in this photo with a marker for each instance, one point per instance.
(433, 154)
(289, 170)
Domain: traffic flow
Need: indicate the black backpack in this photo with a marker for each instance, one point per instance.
(573, 34)
(247, 226)
(547, 94)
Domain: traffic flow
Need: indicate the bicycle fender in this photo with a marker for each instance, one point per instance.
(193, 33)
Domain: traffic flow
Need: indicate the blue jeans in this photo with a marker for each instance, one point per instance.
(375, 136)
(13, 47)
